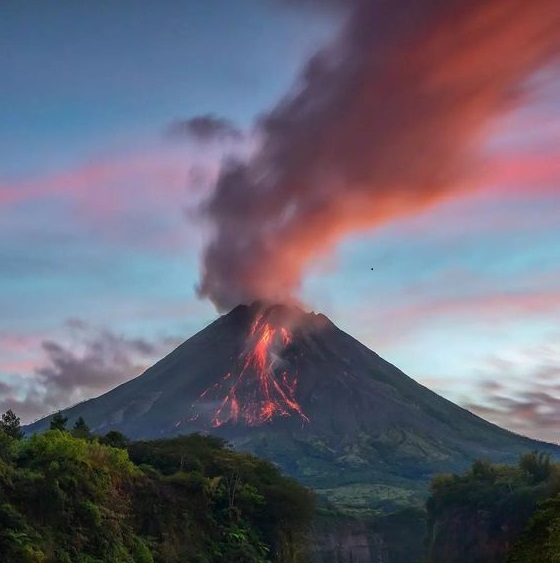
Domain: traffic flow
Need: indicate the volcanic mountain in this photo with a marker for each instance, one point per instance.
(292, 387)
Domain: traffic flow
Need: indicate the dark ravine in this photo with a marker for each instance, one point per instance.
(346, 542)
(374, 439)
(487, 540)
(394, 538)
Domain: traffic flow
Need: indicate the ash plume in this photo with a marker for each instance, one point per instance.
(383, 122)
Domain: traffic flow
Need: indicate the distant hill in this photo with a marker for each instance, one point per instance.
(291, 387)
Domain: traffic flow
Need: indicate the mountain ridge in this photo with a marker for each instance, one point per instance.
(337, 416)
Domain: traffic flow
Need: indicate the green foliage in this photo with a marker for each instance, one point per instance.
(540, 542)
(479, 515)
(191, 499)
(81, 429)
(10, 425)
(8, 447)
(114, 439)
(58, 421)
(231, 506)
(537, 465)
(483, 470)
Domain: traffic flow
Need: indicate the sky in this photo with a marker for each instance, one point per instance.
(119, 121)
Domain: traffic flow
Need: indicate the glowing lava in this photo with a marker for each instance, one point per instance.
(260, 388)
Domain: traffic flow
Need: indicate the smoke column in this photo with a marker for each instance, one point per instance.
(383, 122)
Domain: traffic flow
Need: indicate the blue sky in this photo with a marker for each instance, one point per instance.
(100, 247)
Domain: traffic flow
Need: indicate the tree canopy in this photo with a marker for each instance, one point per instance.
(497, 513)
(10, 424)
(69, 497)
(58, 421)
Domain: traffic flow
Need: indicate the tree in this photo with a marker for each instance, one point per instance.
(81, 429)
(540, 541)
(537, 465)
(58, 422)
(10, 424)
(114, 439)
(66, 499)
(483, 470)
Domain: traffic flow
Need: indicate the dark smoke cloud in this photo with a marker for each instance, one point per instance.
(204, 128)
(383, 122)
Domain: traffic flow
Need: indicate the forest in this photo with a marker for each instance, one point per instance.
(496, 513)
(67, 496)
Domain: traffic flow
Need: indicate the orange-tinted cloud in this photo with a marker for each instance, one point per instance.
(526, 174)
(383, 123)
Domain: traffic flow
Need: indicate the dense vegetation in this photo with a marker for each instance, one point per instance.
(496, 513)
(66, 496)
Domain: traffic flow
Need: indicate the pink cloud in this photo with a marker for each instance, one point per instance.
(520, 197)
(18, 366)
(131, 197)
(492, 305)
(522, 396)
(91, 181)
(19, 354)
(413, 311)
(487, 305)
(526, 174)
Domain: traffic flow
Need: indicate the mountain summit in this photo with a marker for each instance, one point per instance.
(292, 387)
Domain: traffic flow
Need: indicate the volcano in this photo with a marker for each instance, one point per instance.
(292, 387)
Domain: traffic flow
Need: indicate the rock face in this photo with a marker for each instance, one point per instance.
(393, 538)
(348, 543)
(291, 387)
(478, 533)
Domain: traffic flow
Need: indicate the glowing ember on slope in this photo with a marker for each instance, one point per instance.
(260, 388)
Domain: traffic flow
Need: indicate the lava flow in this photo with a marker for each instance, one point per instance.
(259, 389)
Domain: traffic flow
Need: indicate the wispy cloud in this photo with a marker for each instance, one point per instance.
(522, 393)
(107, 184)
(493, 305)
(93, 361)
(138, 199)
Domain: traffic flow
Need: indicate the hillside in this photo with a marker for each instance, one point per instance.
(186, 500)
(328, 410)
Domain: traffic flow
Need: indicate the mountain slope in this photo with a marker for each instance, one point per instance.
(294, 388)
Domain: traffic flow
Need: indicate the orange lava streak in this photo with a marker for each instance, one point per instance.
(260, 390)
